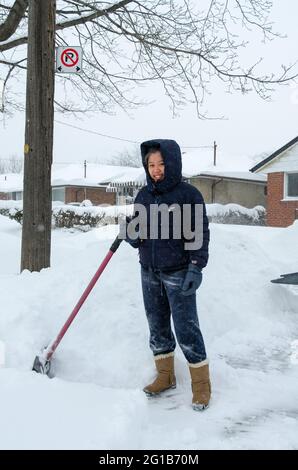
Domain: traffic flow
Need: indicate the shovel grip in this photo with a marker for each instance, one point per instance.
(116, 243)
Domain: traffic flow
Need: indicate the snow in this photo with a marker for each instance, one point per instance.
(127, 209)
(242, 175)
(224, 209)
(193, 163)
(11, 182)
(95, 400)
(73, 174)
(95, 173)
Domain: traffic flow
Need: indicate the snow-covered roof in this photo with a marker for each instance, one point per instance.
(269, 160)
(134, 176)
(239, 175)
(96, 174)
(194, 163)
(73, 174)
(200, 161)
(11, 182)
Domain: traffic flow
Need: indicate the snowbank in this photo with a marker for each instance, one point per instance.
(95, 400)
(93, 216)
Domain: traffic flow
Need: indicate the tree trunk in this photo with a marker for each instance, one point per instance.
(36, 235)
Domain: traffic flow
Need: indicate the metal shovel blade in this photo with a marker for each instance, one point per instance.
(41, 366)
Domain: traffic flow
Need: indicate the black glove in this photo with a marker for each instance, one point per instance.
(123, 223)
(192, 280)
(123, 232)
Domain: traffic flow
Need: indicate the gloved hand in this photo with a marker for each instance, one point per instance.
(192, 280)
(123, 223)
(123, 232)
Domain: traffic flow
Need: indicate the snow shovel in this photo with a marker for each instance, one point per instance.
(42, 363)
(291, 278)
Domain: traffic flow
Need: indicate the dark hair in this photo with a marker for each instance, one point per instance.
(150, 152)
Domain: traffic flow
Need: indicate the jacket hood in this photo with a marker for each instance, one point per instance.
(171, 155)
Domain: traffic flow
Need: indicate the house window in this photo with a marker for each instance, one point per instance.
(17, 196)
(58, 194)
(292, 186)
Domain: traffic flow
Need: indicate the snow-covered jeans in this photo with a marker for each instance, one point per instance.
(162, 297)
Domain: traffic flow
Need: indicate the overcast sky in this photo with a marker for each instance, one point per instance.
(252, 126)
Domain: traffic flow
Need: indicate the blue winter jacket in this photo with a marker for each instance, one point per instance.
(169, 254)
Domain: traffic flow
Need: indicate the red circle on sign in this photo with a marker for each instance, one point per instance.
(69, 57)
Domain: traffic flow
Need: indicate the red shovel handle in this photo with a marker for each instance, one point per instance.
(52, 347)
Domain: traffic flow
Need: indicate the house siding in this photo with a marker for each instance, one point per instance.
(279, 213)
(96, 195)
(245, 193)
(285, 162)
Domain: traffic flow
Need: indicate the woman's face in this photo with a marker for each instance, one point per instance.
(156, 167)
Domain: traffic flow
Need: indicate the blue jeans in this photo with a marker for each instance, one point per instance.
(162, 297)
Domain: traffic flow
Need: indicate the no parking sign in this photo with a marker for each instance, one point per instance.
(69, 59)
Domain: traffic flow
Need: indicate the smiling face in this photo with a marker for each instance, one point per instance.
(156, 166)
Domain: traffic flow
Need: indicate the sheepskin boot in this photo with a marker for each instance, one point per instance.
(165, 375)
(200, 384)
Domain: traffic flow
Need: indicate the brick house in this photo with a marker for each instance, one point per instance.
(78, 193)
(281, 169)
(108, 184)
(221, 184)
(66, 193)
(74, 183)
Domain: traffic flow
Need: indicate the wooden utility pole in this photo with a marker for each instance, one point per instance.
(85, 176)
(37, 200)
(214, 153)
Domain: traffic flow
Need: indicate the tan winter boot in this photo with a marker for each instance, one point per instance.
(200, 384)
(165, 375)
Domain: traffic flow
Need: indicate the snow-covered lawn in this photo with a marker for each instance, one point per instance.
(95, 400)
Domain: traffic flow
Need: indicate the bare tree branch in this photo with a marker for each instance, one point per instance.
(14, 64)
(184, 47)
(12, 44)
(3, 102)
(67, 24)
(13, 19)
(97, 14)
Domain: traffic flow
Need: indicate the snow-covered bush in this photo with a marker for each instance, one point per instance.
(236, 214)
(86, 203)
(15, 213)
(89, 216)
(70, 218)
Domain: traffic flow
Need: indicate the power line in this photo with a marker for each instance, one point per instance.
(124, 140)
(89, 131)
(198, 147)
(97, 133)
